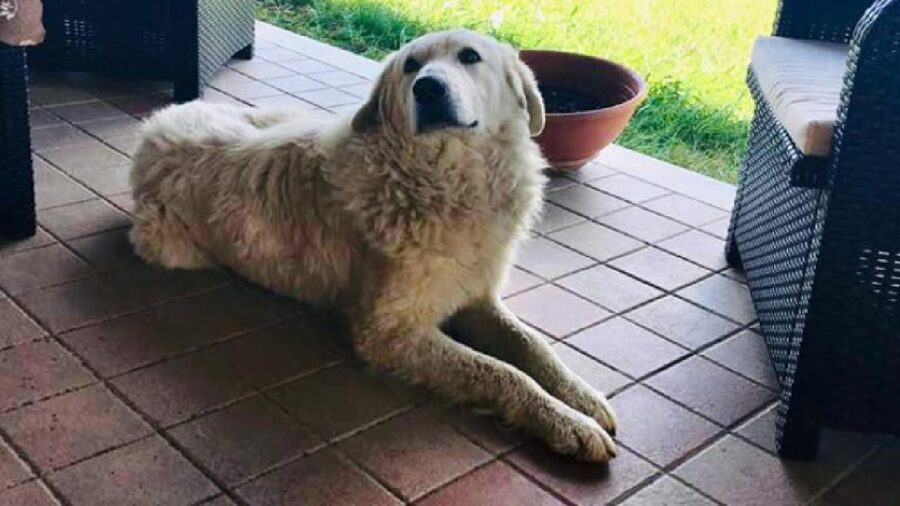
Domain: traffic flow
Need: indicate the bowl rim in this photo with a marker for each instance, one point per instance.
(636, 99)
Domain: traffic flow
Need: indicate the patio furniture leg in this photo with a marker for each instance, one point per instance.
(797, 437)
(17, 212)
(187, 88)
(246, 53)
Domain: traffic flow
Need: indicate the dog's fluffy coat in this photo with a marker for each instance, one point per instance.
(403, 232)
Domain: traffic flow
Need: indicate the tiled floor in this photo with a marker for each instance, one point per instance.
(121, 384)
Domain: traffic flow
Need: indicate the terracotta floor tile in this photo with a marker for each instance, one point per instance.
(261, 70)
(36, 268)
(125, 145)
(84, 218)
(548, 259)
(556, 183)
(53, 188)
(222, 500)
(122, 344)
(586, 201)
(718, 228)
(724, 296)
(148, 472)
(184, 387)
(322, 479)
(555, 311)
(328, 97)
(686, 210)
(363, 400)
(626, 347)
(244, 439)
(57, 136)
(657, 428)
(61, 430)
(143, 104)
(838, 451)
(112, 128)
(737, 473)
(32, 493)
(761, 429)
(629, 188)
(583, 484)
(668, 492)
(17, 327)
(414, 453)
(91, 300)
(276, 354)
(484, 429)
(84, 157)
(279, 54)
(597, 375)
(642, 224)
(593, 170)
(682, 322)
(308, 66)
(297, 84)
(873, 483)
(124, 202)
(107, 251)
(104, 180)
(554, 217)
(711, 390)
(610, 288)
(86, 111)
(596, 241)
(747, 354)
(339, 78)
(40, 238)
(35, 370)
(12, 470)
(698, 247)
(496, 484)
(518, 281)
(660, 268)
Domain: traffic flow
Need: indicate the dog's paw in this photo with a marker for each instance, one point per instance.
(592, 403)
(573, 433)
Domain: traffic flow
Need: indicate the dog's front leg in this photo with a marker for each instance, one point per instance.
(490, 327)
(429, 357)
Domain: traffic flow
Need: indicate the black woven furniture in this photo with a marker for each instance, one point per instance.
(184, 41)
(17, 219)
(819, 237)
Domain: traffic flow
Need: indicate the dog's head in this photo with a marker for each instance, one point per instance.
(454, 80)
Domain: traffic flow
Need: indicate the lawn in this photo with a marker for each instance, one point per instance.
(693, 53)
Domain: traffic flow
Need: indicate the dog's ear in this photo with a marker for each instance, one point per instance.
(371, 114)
(534, 104)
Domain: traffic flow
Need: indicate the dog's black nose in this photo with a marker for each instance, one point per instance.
(429, 90)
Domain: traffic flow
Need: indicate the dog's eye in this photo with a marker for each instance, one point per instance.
(469, 56)
(411, 65)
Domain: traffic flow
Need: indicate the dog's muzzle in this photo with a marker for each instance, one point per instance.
(434, 108)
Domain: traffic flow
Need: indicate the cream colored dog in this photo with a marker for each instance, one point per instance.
(404, 218)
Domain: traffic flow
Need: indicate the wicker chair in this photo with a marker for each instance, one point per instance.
(17, 219)
(818, 236)
(169, 40)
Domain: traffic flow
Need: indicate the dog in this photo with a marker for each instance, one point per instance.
(404, 217)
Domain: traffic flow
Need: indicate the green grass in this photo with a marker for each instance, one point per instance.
(693, 53)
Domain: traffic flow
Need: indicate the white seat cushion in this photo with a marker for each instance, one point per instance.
(801, 81)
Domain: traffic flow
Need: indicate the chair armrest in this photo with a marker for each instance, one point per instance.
(832, 21)
(868, 123)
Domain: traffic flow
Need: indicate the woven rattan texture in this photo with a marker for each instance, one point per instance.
(823, 264)
(17, 215)
(173, 40)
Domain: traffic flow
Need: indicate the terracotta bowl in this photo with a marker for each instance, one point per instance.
(570, 140)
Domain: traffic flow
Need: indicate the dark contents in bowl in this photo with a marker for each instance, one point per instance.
(559, 100)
